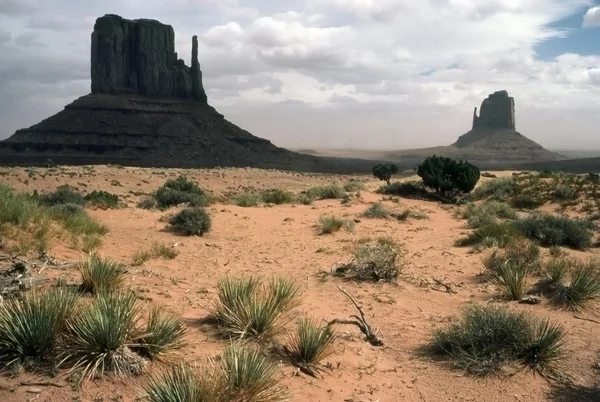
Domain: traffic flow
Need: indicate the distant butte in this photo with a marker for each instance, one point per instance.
(493, 137)
(146, 108)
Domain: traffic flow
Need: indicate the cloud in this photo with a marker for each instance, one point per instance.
(310, 73)
(591, 18)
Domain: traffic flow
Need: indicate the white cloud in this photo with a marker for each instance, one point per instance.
(592, 18)
(308, 73)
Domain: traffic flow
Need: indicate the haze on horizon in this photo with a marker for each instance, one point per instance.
(373, 74)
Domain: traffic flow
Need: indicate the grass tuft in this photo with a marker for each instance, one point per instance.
(331, 224)
(376, 211)
(179, 383)
(311, 343)
(583, 288)
(163, 334)
(191, 221)
(100, 274)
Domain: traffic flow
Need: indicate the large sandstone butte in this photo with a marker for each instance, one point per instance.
(492, 138)
(146, 108)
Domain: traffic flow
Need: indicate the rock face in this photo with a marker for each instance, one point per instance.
(138, 57)
(146, 108)
(497, 111)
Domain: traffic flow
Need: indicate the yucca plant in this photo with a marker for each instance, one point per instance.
(545, 352)
(556, 270)
(512, 278)
(179, 383)
(29, 327)
(247, 308)
(246, 374)
(164, 333)
(311, 343)
(99, 338)
(101, 274)
(584, 287)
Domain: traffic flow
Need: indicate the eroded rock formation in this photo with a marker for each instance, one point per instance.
(497, 111)
(146, 108)
(138, 57)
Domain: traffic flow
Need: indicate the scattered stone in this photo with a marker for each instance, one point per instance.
(530, 299)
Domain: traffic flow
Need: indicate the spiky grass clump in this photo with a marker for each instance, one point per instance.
(583, 288)
(157, 250)
(181, 383)
(99, 338)
(487, 338)
(164, 333)
(376, 211)
(29, 327)
(247, 375)
(191, 221)
(311, 343)
(101, 274)
(248, 308)
(332, 224)
(556, 270)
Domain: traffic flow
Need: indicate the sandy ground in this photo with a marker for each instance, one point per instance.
(281, 240)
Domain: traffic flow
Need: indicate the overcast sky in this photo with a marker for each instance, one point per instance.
(391, 74)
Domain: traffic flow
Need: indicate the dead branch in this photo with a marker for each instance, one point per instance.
(445, 285)
(42, 384)
(586, 319)
(360, 322)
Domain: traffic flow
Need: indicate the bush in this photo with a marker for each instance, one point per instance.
(99, 338)
(373, 261)
(493, 234)
(30, 327)
(311, 343)
(584, 287)
(148, 203)
(62, 195)
(500, 189)
(247, 200)
(180, 191)
(330, 192)
(552, 230)
(102, 199)
(565, 193)
(248, 308)
(277, 196)
(331, 224)
(447, 176)
(385, 171)
(157, 250)
(376, 210)
(486, 213)
(510, 269)
(404, 189)
(526, 200)
(353, 186)
(191, 221)
(99, 274)
(486, 338)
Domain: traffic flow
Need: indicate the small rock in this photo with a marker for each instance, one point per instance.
(34, 390)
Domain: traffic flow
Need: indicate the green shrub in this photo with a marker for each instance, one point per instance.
(164, 333)
(510, 269)
(353, 186)
(565, 193)
(552, 230)
(102, 199)
(583, 288)
(500, 189)
(311, 343)
(526, 200)
(331, 224)
(30, 327)
(247, 200)
(330, 192)
(486, 213)
(376, 211)
(556, 270)
(277, 196)
(62, 195)
(99, 338)
(447, 176)
(148, 203)
(180, 191)
(191, 221)
(404, 189)
(385, 171)
(491, 235)
(487, 338)
(248, 308)
(101, 274)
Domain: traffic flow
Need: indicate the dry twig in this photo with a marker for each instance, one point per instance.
(360, 322)
(445, 285)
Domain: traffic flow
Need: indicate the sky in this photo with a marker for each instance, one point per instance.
(370, 74)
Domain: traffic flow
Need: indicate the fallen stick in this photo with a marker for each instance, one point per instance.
(360, 322)
(41, 384)
(586, 319)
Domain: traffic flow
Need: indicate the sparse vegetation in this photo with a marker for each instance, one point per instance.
(277, 196)
(486, 213)
(373, 261)
(484, 339)
(552, 230)
(332, 224)
(500, 189)
(158, 250)
(102, 199)
(191, 221)
(494, 234)
(404, 189)
(583, 288)
(330, 192)
(164, 333)
(62, 195)
(354, 185)
(376, 211)
(101, 274)
(311, 343)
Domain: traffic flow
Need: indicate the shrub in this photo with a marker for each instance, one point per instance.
(311, 343)
(148, 203)
(179, 383)
(62, 195)
(330, 192)
(584, 287)
(526, 200)
(491, 235)
(447, 176)
(510, 269)
(164, 333)
(331, 224)
(353, 186)
(246, 200)
(98, 339)
(565, 193)
(29, 327)
(556, 270)
(157, 250)
(246, 374)
(373, 261)
(191, 221)
(486, 338)
(277, 196)
(247, 308)
(376, 210)
(180, 191)
(499, 189)
(102, 199)
(385, 171)
(100, 274)
(486, 213)
(404, 189)
(552, 230)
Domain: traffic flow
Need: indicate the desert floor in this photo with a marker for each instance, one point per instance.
(282, 240)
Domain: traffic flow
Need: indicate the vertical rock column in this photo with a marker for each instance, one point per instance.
(197, 88)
